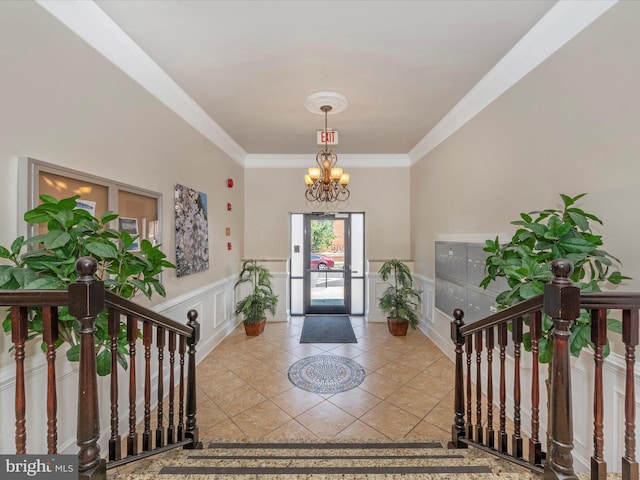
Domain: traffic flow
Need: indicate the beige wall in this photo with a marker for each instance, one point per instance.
(570, 126)
(381, 193)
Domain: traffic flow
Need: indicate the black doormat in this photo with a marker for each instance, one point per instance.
(327, 329)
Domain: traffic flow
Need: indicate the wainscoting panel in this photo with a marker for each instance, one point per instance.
(377, 287)
(220, 308)
(582, 388)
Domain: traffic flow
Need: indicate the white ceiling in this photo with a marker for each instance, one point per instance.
(249, 65)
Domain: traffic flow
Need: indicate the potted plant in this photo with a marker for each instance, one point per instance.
(254, 306)
(400, 300)
(49, 263)
(543, 236)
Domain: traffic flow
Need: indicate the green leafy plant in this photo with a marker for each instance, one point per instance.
(49, 263)
(400, 300)
(254, 306)
(524, 262)
(322, 235)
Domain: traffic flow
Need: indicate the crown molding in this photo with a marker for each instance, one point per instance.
(563, 21)
(96, 28)
(345, 161)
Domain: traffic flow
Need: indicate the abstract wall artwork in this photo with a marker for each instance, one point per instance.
(192, 231)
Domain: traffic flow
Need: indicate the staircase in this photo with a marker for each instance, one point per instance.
(325, 460)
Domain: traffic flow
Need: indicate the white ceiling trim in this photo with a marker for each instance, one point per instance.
(345, 161)
(563, 21)
(91, 24)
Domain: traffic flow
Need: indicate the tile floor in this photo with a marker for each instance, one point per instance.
(244, 391)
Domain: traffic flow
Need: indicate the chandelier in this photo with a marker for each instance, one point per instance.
(326, 182)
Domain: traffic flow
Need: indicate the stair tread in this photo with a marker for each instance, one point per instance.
(318, 460)
(314, 469)
(266, 456)
(266, 462)
(324, 445)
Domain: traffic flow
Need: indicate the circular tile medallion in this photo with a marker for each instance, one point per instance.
(326, 374)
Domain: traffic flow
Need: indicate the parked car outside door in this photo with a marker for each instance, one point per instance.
(321, 262)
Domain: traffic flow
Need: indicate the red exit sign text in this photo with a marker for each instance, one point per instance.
(329, 137)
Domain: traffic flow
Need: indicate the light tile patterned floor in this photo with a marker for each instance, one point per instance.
(244, 391)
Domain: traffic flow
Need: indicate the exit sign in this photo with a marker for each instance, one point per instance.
(329, 137)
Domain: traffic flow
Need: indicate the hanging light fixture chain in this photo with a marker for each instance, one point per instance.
(326, 109)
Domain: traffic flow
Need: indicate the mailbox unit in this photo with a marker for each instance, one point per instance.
(459, 271)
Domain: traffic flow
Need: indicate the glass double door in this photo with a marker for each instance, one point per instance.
(327, 279)
(327, 263)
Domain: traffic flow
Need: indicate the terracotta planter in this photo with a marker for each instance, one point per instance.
(396, 328)
(256, 328)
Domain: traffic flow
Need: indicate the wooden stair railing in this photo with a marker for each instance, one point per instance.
(86, 299)
(562, 302)
(20, 301)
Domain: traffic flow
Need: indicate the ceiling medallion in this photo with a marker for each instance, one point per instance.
(326, 182)
(336, 101)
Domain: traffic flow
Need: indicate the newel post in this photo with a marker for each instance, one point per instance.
(86, 301)
(457, 429)
(191, 424)
(562, 304)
